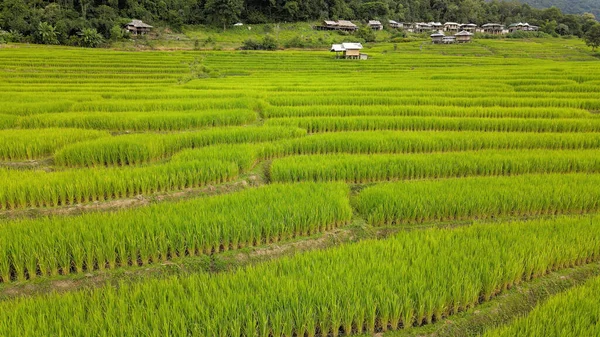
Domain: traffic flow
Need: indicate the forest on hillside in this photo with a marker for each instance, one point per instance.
(88, 22)
(568, 6)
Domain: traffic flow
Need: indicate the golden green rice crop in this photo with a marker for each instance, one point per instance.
(413, 278)
(378, 167)
(573, 313)
(38, 143)
(63, 245)
(479, 197)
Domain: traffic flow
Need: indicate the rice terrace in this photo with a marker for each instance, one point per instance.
(430, 190)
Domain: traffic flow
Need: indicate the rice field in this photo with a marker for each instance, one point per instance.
(290, 194)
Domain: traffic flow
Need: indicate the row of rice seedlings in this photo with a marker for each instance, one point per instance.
(336, 124)
(26, 109)
(413, 278)
(20, 189)
(409, 142)
(143, 148)
(163, 105)
(136, 121)
(479, 197)
(422, 110)
(377, 167)
(63, 245)
(37, 143)
(572, 313)
(451, 92)
(578, 103)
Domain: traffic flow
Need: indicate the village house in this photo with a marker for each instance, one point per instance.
(347, 25)
(451, 27)
(407, 26)
(375, 25)
(137, 27)
(468, 27)
(422, 27)
(337, 25)
(449, 39)
(436, 26)
(348, 50)
(394, 24)
(437, 38)
(492, 28)
(522, 27)
(463, 36)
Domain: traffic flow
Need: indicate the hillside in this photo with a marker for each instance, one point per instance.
(569, 6)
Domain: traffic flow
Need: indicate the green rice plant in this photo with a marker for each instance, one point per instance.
(423, 142)
(377, 167)
(492, 101)
(144, 148)
(37, 143)
(63, 245)
(394, 283)
(8, 121)
(20, 189)
(138, 121)
(336, 124)
(479, 197)
(572, 313)
(423, 111)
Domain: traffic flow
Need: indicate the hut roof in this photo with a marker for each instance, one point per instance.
(463, 33)
(392, 21)
(138, 24)
(336, 48)
(450, 23)
(438, 34)
(345, 23)
(352, 45)
(330, 23)
(345, 46)
(374, 22)
(468, 25)
(491, 25)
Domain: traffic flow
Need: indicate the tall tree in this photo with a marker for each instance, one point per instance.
(223, 12)
(592, 37)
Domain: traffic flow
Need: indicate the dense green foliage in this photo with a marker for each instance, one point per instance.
(90, 23)
(568, 6)
(413, 278)
(53, 246)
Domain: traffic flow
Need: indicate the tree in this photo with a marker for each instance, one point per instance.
(46, 34)
(592, 37)
(91, 38)
(367, 34)
(224, 12)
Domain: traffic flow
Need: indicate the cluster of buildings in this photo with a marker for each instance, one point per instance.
(425, 27)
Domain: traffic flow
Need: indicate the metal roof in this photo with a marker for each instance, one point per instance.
(346, 46)
(438, 34)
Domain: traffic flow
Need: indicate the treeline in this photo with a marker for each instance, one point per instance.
(90, 22)
(568, 6)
